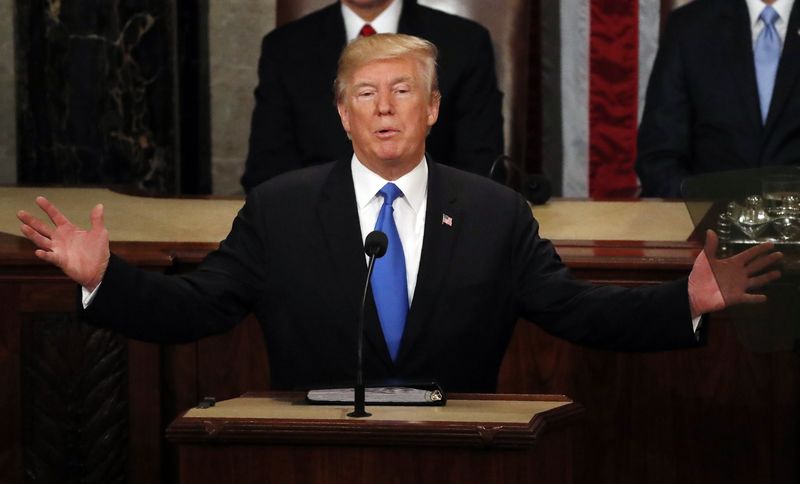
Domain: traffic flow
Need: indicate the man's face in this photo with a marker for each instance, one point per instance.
(366, 3)
(387, 112)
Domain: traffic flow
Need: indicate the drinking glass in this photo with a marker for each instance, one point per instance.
(776, 188)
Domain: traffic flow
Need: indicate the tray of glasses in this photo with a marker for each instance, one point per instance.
(756, 220)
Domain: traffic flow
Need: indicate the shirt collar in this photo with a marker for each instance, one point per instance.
(385, 23)
(413, 184)
(783, 7)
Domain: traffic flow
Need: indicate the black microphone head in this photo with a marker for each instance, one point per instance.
(376, 244)
(537, 189)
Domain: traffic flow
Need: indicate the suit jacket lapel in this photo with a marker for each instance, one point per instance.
(787, 69)
(338, 217)
(435, 260)
(737, 39)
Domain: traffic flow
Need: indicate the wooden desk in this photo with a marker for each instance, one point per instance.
(473, 439)
(724, 413)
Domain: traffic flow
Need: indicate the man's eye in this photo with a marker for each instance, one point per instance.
(365, 94)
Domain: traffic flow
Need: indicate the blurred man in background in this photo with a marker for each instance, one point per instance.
(724, 93)
(294, 122)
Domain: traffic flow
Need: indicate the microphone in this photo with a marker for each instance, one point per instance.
(499, 170)
(536, 188)
(376, 244)
(375, 247)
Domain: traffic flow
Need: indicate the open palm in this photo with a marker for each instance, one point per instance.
(82, 254)
(715, 283)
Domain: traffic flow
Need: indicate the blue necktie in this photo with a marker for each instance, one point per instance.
(389, 275)
(767, 54)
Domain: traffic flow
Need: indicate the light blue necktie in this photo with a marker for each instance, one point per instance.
(767, 54)
(389, 286)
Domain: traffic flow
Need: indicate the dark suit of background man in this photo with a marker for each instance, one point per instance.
(294, 122)
(472, 258)
(702, 112)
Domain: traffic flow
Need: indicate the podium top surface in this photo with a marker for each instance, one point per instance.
(279, 408)
(502, 421)
(142, 219)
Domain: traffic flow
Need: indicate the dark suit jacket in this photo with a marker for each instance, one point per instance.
(295, 123)
(702, 112)
(295, 257)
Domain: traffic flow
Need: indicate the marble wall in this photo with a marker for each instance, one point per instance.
(151, 94)
(95, 93)
(8, 132)
(235, 29)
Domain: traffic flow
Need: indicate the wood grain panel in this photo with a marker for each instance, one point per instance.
(74, 389)
(256, 450)
(145, 418)
(10, 401)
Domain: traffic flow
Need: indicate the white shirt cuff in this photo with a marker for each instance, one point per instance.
(696, 324)
(88, 296)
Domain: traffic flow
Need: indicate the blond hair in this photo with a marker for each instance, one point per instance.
(379, 47)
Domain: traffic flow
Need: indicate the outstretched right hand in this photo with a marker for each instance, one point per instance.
(82, 255)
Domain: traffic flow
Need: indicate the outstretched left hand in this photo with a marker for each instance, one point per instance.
(715, 283)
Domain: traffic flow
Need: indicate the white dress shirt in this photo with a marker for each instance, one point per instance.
(385, 23)
(784, 9)
(409, 211)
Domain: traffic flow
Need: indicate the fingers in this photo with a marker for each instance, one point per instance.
(55, 214)
(35, 223)
(96, 217)
(763, 262)
(754, 252)
(752, 283)
(763, 279)
(47, 256)
(38, 239)
(753, 299)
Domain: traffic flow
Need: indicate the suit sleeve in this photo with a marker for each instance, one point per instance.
(165, 308)
(273, 146)
(478, 130)
(646, 318)
(665, 134)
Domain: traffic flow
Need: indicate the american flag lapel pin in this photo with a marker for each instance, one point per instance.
(447, 220)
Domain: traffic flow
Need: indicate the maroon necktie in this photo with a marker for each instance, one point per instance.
(366, 31)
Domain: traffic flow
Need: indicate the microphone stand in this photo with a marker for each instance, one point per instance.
(375, 246)
(359, 392)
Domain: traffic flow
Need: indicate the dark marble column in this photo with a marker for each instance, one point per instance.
(97, 100)
(108, 93)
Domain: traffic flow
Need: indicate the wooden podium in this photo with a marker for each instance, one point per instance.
(278, 437)
(724, 413)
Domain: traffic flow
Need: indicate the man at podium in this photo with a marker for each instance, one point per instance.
(464, 258)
